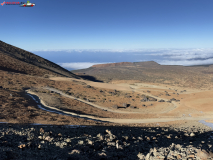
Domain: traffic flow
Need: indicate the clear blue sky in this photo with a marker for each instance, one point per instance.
(108, 24)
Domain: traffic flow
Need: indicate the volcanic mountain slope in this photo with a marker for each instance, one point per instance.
(152, 72)
(18, 60)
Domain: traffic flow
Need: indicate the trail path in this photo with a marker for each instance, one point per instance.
(113, 120)
(121, 87)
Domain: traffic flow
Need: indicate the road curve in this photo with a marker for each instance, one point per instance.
(45, 107)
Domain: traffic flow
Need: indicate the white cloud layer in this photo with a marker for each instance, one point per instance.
(164, 56)
(79, 65)
(185, 54)
(99, 50)
(186, 62)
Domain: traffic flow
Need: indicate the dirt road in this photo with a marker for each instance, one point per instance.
(113, 120)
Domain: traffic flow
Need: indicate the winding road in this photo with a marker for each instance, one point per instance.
(45, 107)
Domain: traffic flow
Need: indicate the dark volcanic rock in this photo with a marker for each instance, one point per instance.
(152, 99)
(161, 100)
(173, 99)
(133, 107)
(104, 142)
(88, 86)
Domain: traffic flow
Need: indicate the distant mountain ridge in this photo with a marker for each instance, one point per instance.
(16, 59)
(152, 63)
(111, 64)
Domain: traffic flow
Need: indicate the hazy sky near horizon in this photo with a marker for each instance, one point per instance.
(108, 24)
(79, 33)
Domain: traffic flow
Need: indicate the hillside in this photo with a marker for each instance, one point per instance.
(18, 60)
(152, 72)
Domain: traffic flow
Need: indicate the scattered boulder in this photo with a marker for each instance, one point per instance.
(133, 107)
(88, 86)
(115, 106)
(124, 105)
(173, 99)
(144, 105)
(144, 99)
(168, 94)
(161, 100)
(192, 134)
(143, 96)
(152, 99)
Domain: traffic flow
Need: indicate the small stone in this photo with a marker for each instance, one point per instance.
(140, 155)
(39, 146)
(108, 131)
(81, 142)
(147, 156)
(169, 137)
(102, 154)
(192, 134)
(68, 140)
(75, 151)
(90, 142)
(41, 130)
(179, 156)
(147, 138)
(22, 146)
(191, 156)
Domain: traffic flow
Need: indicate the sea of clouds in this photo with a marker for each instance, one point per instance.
(78, 59)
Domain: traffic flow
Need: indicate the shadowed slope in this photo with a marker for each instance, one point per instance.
(19, 60)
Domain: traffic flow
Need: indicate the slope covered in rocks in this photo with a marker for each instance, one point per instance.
(18, 60)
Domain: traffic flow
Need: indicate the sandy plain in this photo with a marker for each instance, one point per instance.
(194, 104)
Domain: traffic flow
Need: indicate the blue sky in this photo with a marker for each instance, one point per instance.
(57, 25)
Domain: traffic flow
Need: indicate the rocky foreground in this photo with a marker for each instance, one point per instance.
(104, 142)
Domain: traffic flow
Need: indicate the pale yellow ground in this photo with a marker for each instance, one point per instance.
(194, 104)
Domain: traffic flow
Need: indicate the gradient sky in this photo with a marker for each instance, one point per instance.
(108, 24)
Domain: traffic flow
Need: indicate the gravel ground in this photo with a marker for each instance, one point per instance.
(104, 142)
